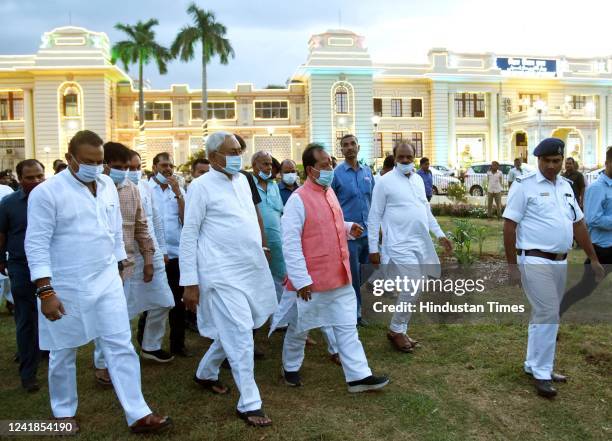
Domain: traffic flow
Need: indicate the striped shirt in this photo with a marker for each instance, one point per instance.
(135, 229)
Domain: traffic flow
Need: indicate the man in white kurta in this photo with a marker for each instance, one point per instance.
(319, 292)
(400, 208)
(155, 297)
(73, 245)
(225, 272)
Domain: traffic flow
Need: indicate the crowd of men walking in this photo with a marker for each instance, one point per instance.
(98, 244)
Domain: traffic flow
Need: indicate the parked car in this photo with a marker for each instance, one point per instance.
(443, 169)
(592, 176)
(475, 179)
(441, 181)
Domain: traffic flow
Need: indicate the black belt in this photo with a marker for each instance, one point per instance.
(544, 254)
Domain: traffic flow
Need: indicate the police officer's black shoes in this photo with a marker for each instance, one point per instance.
(555, 377)
(545, 388)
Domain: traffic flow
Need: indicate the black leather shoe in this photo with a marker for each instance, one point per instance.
(292, 379)
(545, 388)
(555, 377)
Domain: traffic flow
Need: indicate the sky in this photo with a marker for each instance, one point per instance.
(270, 37)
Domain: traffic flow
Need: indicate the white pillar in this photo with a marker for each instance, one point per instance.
(28, 124)
(494, 153)
(452, 139)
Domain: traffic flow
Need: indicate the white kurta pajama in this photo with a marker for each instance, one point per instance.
(76, 240)
(400, 208)
(333, 310)
(221, 251)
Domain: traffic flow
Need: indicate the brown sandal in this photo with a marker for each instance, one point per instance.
(212, 385)
(400, 341)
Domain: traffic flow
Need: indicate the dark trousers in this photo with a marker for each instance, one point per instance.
(587, 284)
(26, 320)
(176, 318)
(358, 255)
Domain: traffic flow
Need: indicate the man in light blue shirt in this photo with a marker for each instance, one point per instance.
(353, 185)
(598, 217)
(271, 208)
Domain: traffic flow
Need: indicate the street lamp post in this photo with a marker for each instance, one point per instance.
(375, 122)
(540, 107)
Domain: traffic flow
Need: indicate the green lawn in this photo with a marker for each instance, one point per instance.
(465, 383)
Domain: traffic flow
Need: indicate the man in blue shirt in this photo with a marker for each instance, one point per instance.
(598, 217)
(427, 176)
(353, 185)
(288, 183)
(13, 224)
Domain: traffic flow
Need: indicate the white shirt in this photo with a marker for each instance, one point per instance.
(76, 239)
(167, 204)
(155, 221)
(544, 211)
(400, 207)
(221, 250)
(5, 190)
(292, 225)
(515, 172)
(494, 181)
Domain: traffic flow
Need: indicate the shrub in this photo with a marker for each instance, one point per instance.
(457, 192)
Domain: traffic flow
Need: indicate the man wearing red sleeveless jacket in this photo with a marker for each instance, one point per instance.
(316, 254)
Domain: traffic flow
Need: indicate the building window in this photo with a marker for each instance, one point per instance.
(271, 109)
(526, 100)
(396, 107)
(155, 111)
(470, 105)
(378, 144)
(395, 138)
(71, 104)
(416, 107)
(578, 102)
(416, 139)
(341, 100)
(337, 149)
(378, 106)
(222, 110)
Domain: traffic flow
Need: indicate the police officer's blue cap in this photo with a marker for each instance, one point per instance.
(549, 147)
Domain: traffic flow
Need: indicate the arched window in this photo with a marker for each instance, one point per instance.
(71, 102)
(342, 104)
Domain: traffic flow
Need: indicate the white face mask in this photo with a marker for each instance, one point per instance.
(289, 178)
(406, 169)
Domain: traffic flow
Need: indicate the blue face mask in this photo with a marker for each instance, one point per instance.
(264, 176)
(118, 176)
(325, 177)
(233, 164)
(406, 168)
(161, 178)
(135, 175)
(88, 173)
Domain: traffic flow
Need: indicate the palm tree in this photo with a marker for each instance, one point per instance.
(211, 34)
(140, 48)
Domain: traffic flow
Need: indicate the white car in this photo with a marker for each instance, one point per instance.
(593, 175)
(476, 176)
(441, 181)
(442, 169)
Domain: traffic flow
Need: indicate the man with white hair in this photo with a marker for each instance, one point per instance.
(406, 243)
(225, 273)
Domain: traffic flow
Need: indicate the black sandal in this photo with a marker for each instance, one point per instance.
(253, 413)
(211, 384)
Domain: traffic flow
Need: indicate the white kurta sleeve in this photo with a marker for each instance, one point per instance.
(347, 230)
(432, 223)
(119, 251)
(292, 225)
(195, 212)
(377, 210)
(158, 227)
(40, 230)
